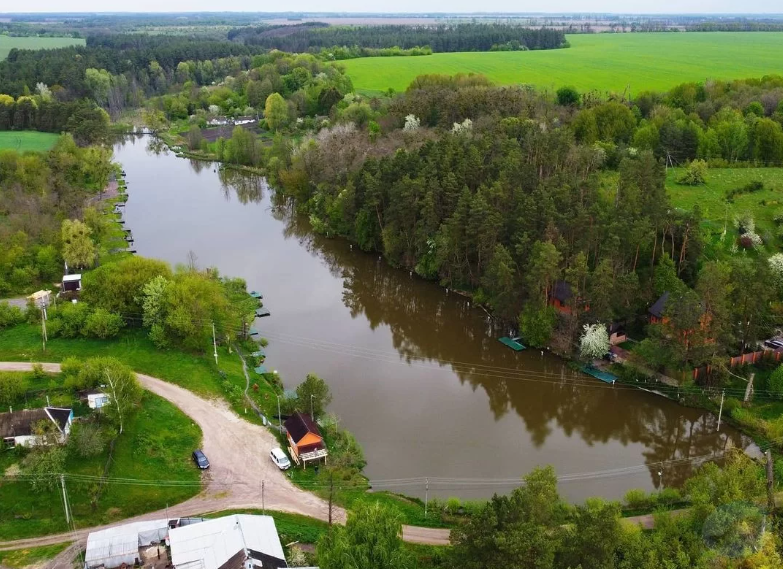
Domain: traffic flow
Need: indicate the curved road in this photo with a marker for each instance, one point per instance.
(239, 455)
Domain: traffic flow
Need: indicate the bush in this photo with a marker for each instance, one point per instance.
(12, 387)
(669, 496)
(775, 382)
(453, 505)
(10, 315)
(70, 366)
(695, 174)
(70, 320)
(638, 499)
(87, 439)
(102, 324)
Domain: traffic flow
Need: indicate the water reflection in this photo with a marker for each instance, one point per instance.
(417, 374)
(428, 325)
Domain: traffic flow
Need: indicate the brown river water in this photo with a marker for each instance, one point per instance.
(417, 373)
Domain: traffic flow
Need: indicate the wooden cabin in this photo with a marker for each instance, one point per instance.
(656, 312)
(305, 442)
(561, 298)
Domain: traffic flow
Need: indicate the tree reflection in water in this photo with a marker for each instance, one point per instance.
(428, 325)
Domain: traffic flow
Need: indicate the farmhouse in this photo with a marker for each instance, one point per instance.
(304, 438)
(18, 428)
(232, 542)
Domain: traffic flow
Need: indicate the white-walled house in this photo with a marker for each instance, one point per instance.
(97, 399)
(17, 428)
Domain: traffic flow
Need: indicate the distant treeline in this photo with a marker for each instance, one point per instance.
(87, 122)
(741, 26)
(441, 38)
(146, 61)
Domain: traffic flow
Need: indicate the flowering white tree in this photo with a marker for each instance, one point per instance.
(462, 127)
(43, 90)
(411, 123)
(776, 266)
(595, 341)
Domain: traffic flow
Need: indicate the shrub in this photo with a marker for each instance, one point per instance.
(775, 382)
(38, 372)
(102, 324)
(70, 366)
(695, 174)
(71, 318)
(638, 499)
(453, 505)
(669, 496)
(12, 387)
(10, 315)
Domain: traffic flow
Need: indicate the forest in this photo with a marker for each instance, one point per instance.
(441, 38)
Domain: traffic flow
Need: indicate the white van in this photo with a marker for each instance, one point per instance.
(280, 459)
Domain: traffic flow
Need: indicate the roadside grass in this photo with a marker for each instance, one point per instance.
(291, 527)
(26, 140)
(604, 62)
(20, 558)
(7, 43)
(156, 444)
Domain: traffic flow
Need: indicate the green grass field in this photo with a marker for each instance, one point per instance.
(606, 62)
(8, 43)
(27, 140)
(157, 443)
(19, 558)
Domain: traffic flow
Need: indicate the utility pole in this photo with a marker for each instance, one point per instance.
(43, 327)
(263, 503)
(331, 492)
(65, 500)
(214, 343)
(426, 495)
(720, 413)
(279, 416)
(312, 413)
(770, 482)
(749, 388)
(660, 478)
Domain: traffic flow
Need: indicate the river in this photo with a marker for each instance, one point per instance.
(417, 373)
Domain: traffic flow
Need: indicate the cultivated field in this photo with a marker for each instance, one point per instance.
(606, 62)
(8, 43)
(23, 140)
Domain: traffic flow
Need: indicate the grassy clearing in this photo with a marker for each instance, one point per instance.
(8, 43)
(157, 443)
(291, 527)
(27, 140)
(717, 213)
(19, 558)
(606, 62)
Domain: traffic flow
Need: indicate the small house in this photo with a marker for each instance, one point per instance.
(561, 297)
(656, 312)
(41, 298)
(97, 399)
(17, 428)
(72, 283)
(304, 438)
(617, 333)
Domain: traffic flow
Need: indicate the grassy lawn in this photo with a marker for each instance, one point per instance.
(19, 558)
(26, 140)
(157, 443)
(8, 43)
(718, 213)
(291, 527)
(605, 62)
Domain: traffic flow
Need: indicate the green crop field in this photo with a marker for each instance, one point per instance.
(23, 140)
(606, 62)
(8, 43)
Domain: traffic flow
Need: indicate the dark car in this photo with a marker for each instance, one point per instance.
(200, 459)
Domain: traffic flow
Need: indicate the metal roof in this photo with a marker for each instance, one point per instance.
(69, 278)
(113, 546)
(212, 543)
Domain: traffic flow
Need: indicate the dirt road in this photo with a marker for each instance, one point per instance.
(238, 452)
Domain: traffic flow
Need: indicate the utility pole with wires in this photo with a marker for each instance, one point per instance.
(263, 502)
(720, 413)
(770, 482)
(214, 343)
(65, 500)
(43, 327)
(426, 495)
(749, 388)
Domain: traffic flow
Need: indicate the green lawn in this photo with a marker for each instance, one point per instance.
(717, 212)
(19, 558)
(27, 140)
(8, 43)
(157, 443)
(606, 62)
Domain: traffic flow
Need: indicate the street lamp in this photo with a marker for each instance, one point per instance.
(660, 479)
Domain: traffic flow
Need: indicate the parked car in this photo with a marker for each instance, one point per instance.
(200, 459)
(280, 459)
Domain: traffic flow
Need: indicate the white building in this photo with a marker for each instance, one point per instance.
(114, 546)
(71, 283)
(17, 428)
(97, 400)
(232, 542)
